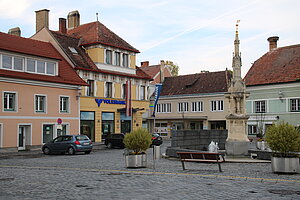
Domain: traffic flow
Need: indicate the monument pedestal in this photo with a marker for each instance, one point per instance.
(237, 143)
(236, 148)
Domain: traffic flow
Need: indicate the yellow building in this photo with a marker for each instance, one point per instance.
(106, 62)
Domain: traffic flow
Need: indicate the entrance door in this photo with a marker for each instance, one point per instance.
(22, 133)
(125, 126)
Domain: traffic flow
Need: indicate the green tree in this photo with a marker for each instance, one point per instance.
(174, 68)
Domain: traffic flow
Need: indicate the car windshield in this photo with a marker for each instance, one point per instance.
(81, 137)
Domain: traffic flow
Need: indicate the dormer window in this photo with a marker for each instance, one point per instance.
(125, 60)
(73, 50)
(31, 65)
(117, 58)
(108, 55)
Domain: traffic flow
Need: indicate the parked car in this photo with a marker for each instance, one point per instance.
(114, 140)
(156, 139)
(68, 144)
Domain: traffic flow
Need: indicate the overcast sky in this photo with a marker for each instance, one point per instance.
(195, 34)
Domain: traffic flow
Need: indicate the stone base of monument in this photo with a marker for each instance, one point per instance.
(237, 148)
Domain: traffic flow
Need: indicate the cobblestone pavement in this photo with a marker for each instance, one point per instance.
(102, 175)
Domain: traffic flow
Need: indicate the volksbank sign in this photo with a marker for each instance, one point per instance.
(108, 101)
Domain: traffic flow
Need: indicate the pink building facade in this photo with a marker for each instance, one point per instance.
(39, 94)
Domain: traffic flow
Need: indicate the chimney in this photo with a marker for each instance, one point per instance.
(41, 19)
(273, 42)
(15, 31)
(145, 64)
(162, 69)
(62, 25)
(73, 19)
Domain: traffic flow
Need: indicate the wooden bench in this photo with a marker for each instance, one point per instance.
(205, 157)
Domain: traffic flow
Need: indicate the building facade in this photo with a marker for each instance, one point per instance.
(274, 87)
(192, 102)
(39, 94)
(107, 63)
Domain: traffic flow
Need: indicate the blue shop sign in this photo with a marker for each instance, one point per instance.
(108, 101)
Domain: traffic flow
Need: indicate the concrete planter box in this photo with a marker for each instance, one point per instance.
(136, 161)
(285, 165)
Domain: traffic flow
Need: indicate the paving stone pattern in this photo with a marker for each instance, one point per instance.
(102, 175)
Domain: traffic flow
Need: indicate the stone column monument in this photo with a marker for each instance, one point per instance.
(237, 142)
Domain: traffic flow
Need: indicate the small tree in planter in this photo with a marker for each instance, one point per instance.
(137, 142)
(284, 140)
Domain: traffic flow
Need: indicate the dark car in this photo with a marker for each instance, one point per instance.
(68, 143)
(114, 140)
(156, 139)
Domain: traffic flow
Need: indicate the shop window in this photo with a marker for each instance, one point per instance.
(108, 124)
(62, 130)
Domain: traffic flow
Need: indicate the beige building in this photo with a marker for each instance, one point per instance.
(192, 102)
(106, 62)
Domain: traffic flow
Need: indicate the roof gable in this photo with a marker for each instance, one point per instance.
(281, 65)
(201, 83)
(96, 32)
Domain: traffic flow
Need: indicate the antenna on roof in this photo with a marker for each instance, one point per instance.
(97, 16)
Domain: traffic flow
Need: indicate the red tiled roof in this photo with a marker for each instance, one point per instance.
(11, 43)
(83, 62)
(96, 32)
(151, 70)
(281, 65)
(201, 83)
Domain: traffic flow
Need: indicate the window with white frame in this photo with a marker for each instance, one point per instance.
(260, 106)
(252, 129)
(108, 89)
(40, 103)
(163, 108)
(197, 106)
(142, 93)
(125, 62)
(183, 107)
(117, 58)
(108, 57)
(64, 104)
(295, 105)
(18, 63)
(9, 101)
(217, 105)
(123, 92)
(90, 88)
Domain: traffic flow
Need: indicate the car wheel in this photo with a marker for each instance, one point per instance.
(46, 151)
(87, 152)
(71, 151)
(109, 145)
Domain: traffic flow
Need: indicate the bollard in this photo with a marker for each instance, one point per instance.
(156, 152)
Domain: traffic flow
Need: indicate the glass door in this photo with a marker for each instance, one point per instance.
(21, 145)
(48, 132)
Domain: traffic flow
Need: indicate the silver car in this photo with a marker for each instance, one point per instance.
(68, 144)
